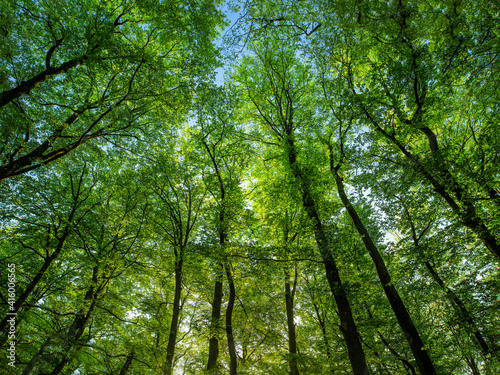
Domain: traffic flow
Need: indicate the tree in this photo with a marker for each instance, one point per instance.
(81, 71)
(180, 198)
(282, 114)
(324, 211)
(215, 132)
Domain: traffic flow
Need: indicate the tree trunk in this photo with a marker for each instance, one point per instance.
(465, 318)
(233, 366)
(31, 286)
(412, 336)
(176, 308)
(472, 365)
(213, 345)
(75, 331)
(34, 282)
(26, 86)
(464, 208)
(127, 363)
(292, 340)
(347, 324)
(31, 364)
(79, 323)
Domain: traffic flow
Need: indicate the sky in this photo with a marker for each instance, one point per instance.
(232, 16)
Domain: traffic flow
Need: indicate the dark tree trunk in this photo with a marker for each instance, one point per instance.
(46, 264)
(412, 336)
(292, 340)
(26, 86)
(465, 317)
(322, 325)
(127, 363)
(176, 308)
(462, 206)
(76, 329)
(79, 323)
(347, 324)
(213, 344)
(31, 364)
(22, 164)
(34, 282)
(472, 365)
(233, 365)
(408, 365)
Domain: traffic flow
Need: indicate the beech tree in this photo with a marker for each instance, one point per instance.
(329, 206)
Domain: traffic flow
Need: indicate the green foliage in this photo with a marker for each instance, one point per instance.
(121, 159)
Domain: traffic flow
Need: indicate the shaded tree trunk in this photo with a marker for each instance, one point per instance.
(233, 365)
(292, 340)
(76, 329)
(34, 282)
(127, 363)
(347, 324)
(472, 365)
(465, 317)
(213, 344)
(26, 86)
(463, 206)
(48, 260)
(176, 308)
(412, 336)
(31, 364)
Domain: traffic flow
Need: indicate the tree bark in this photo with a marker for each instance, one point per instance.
(462, 206)
(47, 261)
(176, 308)
(465, 317)
(292, 340)
(34, 282)
(347, 324)
(213, 344)
(127, 363)
(76, 329)
(412, 336)
(79, 323)
(26, 86)
(233, 365)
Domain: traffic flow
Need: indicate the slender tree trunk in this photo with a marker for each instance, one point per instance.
(405, 362)
(292, 340)
(233, 365)
(213, 344)
(412, 336)
(75, 331)
(31, 364)
(472, 365)
(347, 324)
(34, 282)
(408, 365)
(176, 308)
(322, 325)
(79, 323)
(127, 363)
(22, 164)
(26, 86)
(464, 315)
(464, 208)
(60, 366)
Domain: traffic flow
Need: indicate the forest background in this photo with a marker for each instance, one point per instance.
(331, 206)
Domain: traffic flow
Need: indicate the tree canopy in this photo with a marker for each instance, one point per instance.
(331, 206)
